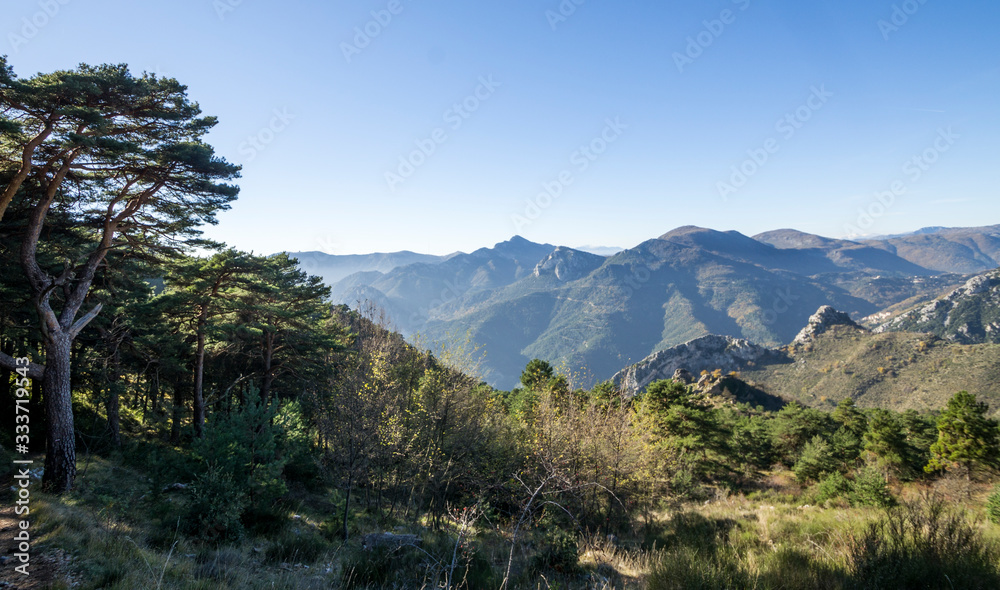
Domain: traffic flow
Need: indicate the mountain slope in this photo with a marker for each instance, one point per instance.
(595, 314)
(968, 315)
(843, 254)
(959, 250)
(649, 298)
(411, 294)
(839, 359)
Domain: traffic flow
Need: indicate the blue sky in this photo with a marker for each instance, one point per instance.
(602, 123)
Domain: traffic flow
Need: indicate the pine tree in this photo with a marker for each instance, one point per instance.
(966, 437)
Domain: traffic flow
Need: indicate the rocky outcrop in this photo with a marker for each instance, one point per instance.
(683, 376)
(707, 353)
(967, 315)
(567, 264)
(821, 321)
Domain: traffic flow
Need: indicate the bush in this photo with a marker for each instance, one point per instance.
(816, 460)
(922, 546)
(559, 551)
(993, 506)
(243, 449)
(831, 487)
(215, 508)
(870, 489)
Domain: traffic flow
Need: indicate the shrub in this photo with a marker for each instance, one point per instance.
(870, 489)
(993, 506)
(831, 487)
(922, 545)
(816, 461)
(559, 551)
(243, 448)
(215, 508)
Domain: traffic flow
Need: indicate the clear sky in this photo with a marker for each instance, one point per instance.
(441, 127)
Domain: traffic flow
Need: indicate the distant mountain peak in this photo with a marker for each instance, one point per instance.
(686, 230)
(567, 264)
(787, 239)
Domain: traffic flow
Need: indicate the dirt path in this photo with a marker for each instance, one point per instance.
(47, 566)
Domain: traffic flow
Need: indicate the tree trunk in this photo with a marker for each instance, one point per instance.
(60, 455)
(347, 507)
(114, 418)
(114, 401)
(175, 425)
(199, 379)
(265, 386)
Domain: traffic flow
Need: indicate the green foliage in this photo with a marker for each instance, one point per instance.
(816, 460)
(922, 546)
(884, 441)
(993, 506)
(833, 486)
(966, 437)
(216, 506)
(243, 448)
(750, 444)
(662, 395)
(558, 551)
(794, 426)
(920, 432)
(870, 489)
(686, 568)
(536, 374)
(295, 441)
(850, 417)
(427, 566)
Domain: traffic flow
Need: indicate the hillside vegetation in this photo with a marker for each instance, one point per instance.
(892, 370)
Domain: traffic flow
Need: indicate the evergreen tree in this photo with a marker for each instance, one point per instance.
(966, 437)
(126, 155)
(885, 443)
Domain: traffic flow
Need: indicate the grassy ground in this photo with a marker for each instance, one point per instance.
(116, 532)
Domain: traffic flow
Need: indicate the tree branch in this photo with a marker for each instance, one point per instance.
(35, 371)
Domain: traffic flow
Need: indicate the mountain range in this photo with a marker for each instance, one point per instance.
(591, 315)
